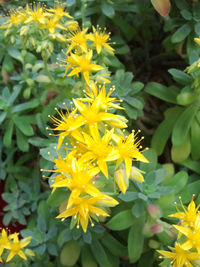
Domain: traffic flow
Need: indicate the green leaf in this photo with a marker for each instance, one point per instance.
(8, 64)
(130, 111)
(70, 253)
(128, 196)
(41, 224)
(23, 125)
(183, 125)
(7, 139)
(186, 14)
(125, 27)
(192, 165)
(186, 98)
(43, 79)
(178, 181)
(28, 105)
(108, 10)
(2, 116)
(195, 139)
(64, 236)
(113, 245)
(136, 87)
(138, 208)
(87, 259)
(14, 53)
(165, 93)
(136, 240)
(87, 237)
(70, 2)
(152, 157)
(52, 249)
(181, 152)
(22, 142)
(39, 142)
(197, 28)
(164, 130)
(181, 34)
(180, 76)
(134, 102)
(121, 221)
(58, 197)
(99, 254)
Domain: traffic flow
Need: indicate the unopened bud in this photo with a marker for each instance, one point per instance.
(154, 211)
(162, 6)
(156, 228)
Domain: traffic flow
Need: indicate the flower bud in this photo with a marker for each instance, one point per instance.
(154, 244)
(156, 228)
(154, 211)
(162, 6)
(147, 230)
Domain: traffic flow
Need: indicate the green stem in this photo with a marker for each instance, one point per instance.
(48, 73)
(83, 11)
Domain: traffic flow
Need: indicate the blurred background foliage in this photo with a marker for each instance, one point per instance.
(156, 74)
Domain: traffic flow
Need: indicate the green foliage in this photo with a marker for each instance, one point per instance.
(161, 95)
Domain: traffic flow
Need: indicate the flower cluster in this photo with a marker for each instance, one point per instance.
(85, 47)
(96, 140)
(37, 26)
(187, 248)
(15, 246)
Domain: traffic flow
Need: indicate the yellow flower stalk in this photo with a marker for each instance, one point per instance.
(100, 40)
(179, 256)
(84, 208)
(82, 64)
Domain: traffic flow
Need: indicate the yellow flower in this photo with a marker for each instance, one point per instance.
(98, 94)
(100, 40)
(189, 216)
(193, 235)
(121, 180)
(71, 25)
(16, 246)
(127, 150)
(98, 148)
(81, 64)
(78, 40)
(16, 18)
(68, 125)
(51, 25)
(4, 241)
(84, 208)
(90, 115)
(179, 256)
(59, 11)
(79, 181)
(38, 14)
